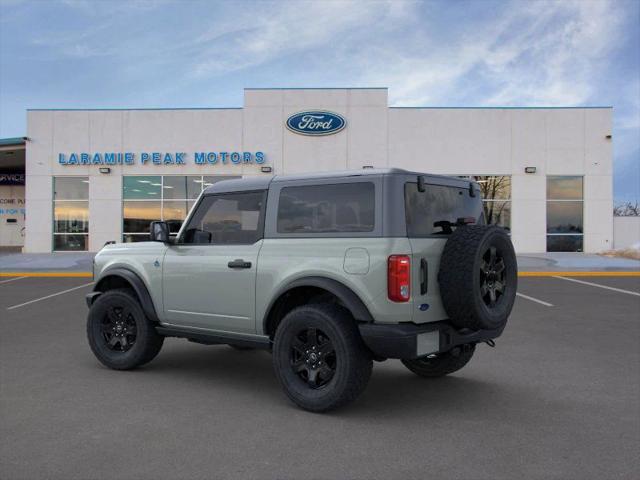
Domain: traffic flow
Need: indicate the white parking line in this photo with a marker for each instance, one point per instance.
(12, 279)
(628, 292)
(49, 296)
(541, 302)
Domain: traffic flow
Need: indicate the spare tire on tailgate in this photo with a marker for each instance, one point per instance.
(478, 277)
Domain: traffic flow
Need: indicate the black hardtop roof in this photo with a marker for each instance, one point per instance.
(257, 182)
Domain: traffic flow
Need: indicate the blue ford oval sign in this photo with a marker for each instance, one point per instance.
(316, 122)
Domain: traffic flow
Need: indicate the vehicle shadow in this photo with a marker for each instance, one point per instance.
(392, 393)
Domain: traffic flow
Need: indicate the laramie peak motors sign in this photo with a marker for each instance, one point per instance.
(316, 122)
(160, 158)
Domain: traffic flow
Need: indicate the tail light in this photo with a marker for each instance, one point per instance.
(398, 278)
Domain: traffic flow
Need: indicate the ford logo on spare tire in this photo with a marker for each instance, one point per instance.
(316, 122)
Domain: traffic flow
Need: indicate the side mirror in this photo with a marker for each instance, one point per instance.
(159, 232)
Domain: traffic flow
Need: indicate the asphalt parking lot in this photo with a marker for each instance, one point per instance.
(559, 397)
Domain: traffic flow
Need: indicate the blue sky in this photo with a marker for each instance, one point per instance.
(112, 54)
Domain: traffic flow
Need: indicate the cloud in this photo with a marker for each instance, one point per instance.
(103, 32)
(274, 30)
(538, 53)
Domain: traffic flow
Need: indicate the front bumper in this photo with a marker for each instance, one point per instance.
(91, 297)
(408, 340)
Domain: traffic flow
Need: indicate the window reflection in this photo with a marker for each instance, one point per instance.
(70, 213)
(564, 188)
(131, 238)
(174, 213)
(154, 197)
(564, 217)
(494, 187)
(564, 214)
(142, 187)
(71, 217)
(495, 191)
(174, 187)
(63, 243)
(138, 215)
(564, 243)
(498, 213)
(71, 188)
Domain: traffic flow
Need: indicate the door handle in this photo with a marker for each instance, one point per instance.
(239, 263)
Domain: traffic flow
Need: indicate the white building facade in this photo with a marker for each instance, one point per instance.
(94, 176)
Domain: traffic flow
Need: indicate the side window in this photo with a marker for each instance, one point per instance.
(344, 207)
(227, 219)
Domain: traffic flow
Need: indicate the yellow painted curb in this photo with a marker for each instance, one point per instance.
(579, 274)
(47, 274)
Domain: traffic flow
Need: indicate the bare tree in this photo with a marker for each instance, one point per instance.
(494, 188)
(626, 209)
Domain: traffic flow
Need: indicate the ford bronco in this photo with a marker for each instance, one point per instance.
(329, 272)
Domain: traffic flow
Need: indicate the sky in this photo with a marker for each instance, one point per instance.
(122, 54)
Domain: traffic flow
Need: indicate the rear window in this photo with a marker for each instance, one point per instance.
(344, 207)
(436, 210)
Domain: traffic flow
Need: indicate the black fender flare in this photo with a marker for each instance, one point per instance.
(347, 296)
(136, 283)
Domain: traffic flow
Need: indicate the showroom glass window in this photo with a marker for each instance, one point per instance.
(159, 197)
(70, 213)
(564, 214)
(495, 191)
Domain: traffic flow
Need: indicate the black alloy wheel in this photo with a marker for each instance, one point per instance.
(120, 334)
(313, 357)
(492, 277)
(319, 357)
(119, 328)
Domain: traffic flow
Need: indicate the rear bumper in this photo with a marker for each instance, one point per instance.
(408, 340)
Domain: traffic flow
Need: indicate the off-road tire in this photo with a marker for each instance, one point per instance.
(441, 364)
(147, 342)
(463, 277)
(352, 362)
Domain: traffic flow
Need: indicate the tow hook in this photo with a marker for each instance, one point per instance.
(491, 343)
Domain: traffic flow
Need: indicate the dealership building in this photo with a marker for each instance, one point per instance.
(81, 178)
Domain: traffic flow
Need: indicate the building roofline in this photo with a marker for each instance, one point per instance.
(317, 88)
(126, 109)
(506, 107)
(4, 142)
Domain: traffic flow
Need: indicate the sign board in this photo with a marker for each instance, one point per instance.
(11, 178)
(161, 158)
(316, 123)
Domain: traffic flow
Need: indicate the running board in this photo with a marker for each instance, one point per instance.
(216, 338)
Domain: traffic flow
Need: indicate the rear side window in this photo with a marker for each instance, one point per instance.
(344, 207)
(436, 210)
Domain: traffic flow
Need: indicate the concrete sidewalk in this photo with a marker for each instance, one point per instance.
(68, 262)
(574, 262)
(80, 263)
